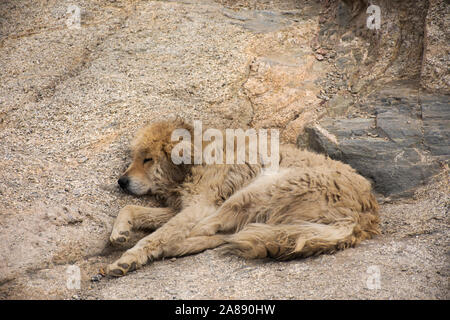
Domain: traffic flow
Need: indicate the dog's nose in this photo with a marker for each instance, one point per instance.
(123, 182)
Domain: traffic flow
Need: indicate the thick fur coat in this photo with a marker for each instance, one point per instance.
(311, 205)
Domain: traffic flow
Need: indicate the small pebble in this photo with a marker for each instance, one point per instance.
(82, 159)
(319, 57)
(96, 278)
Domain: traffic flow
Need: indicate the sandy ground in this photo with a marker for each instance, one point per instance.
(70, 100)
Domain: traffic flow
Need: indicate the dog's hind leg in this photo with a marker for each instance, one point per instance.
(284, 242)
(252, 203)
(136, 217)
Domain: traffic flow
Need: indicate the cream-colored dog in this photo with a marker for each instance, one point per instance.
(311, 205)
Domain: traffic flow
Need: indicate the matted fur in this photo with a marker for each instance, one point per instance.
(311, 205)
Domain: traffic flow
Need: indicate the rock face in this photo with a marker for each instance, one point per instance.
(284, 69)
(394, 131)
(435, 74)
(398, 145)
(369, 56)
(436, 124)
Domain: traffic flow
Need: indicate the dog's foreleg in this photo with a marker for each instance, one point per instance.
(136, 217)
(153, 246)
(194, 245)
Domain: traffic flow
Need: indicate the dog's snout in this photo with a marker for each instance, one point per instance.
(123, 182)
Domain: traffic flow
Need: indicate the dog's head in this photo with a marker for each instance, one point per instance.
(152, 170)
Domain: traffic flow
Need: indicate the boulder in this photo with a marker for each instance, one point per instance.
(398, 146)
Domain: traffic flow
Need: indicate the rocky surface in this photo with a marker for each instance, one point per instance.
(379, 117)
(410, 256)
(435, 75)
(71, 98)
(398, 145)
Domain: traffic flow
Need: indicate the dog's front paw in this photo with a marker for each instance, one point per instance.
(121, 267)
(119, 237)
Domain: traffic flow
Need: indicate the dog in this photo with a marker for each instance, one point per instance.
(310, 205)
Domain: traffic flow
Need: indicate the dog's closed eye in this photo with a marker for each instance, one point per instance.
(148, 159)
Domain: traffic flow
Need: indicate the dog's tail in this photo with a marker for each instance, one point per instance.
(303, 239)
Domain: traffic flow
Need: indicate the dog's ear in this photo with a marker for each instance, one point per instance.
(183, 151)
(182, 133)
(176, 122)
(179, 123)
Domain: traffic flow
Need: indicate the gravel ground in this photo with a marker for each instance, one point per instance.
(70, 100)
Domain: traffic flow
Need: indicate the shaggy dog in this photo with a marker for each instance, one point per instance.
(311, 205)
